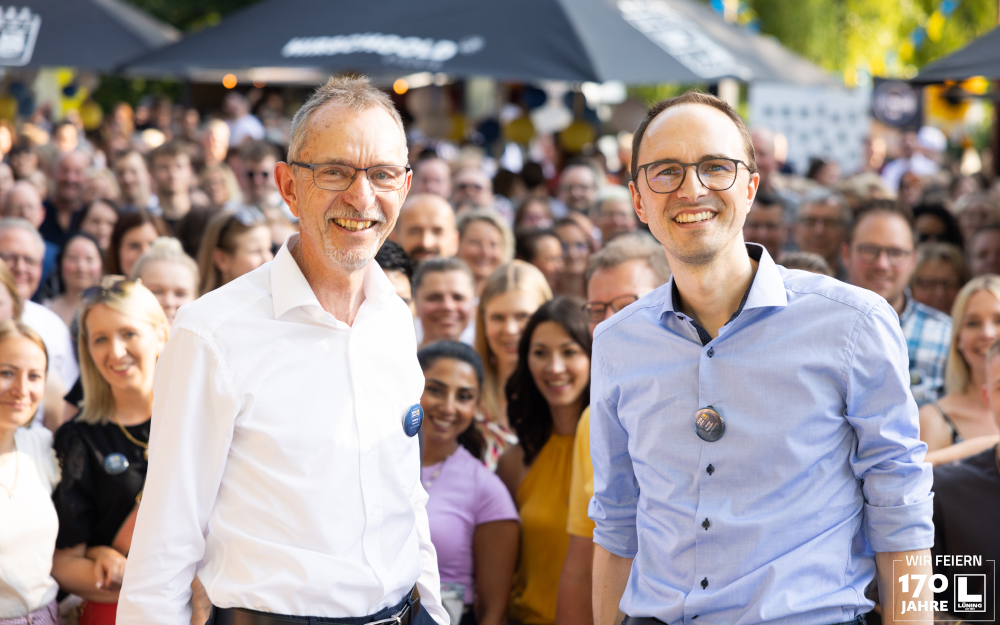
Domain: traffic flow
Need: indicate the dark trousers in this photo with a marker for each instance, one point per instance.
(421, 618)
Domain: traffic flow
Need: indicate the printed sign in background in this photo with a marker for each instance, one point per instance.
(824, 122)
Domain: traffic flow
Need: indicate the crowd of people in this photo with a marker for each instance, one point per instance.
(105, 235)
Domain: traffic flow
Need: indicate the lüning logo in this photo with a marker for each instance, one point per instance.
(18, 33)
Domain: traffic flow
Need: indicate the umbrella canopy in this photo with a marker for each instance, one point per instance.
(636, 41)
(89, 34)
(979, 58)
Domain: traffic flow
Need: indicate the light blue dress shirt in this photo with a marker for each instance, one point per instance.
(819, 466)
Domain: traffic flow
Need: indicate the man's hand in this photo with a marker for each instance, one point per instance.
(109, 567)
(896, 596)
(610, 578)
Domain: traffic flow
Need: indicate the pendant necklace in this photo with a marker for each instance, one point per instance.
(437, 471)
(137, 442)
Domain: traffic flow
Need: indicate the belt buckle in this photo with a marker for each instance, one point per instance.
(396, 619)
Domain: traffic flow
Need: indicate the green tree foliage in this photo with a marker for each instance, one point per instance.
(874, 37)
(191, 15)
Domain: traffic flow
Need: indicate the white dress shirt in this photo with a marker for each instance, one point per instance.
(28, 525)
(278, 465)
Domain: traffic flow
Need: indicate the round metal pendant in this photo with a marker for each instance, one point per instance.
(709, 424)
(115, 464)
(412, 419)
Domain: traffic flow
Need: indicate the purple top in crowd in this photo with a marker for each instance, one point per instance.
(463, 495)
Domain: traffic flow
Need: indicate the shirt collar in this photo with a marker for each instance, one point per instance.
(290, 289)
(766, 288)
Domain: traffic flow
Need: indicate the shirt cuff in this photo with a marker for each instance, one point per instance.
(908, 527)
(619, 541)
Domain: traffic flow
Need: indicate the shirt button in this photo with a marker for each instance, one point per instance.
(704, 583)
(711, 352)
(710, 470)
(706, 524)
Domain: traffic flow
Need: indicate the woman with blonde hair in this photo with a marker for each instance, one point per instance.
(103, 451)
(508, 299)
(169, 274)
(235, 243)
(960, 423)
(485, 242)
(28, 473)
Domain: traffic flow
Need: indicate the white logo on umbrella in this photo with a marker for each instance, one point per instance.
(415, 48)
(682, 39)
(18, 32)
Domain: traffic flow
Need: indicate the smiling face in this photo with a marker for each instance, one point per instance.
(694, 225)
(449, 400)
(980, 328)
(342, 230)
(481, 247)
(123, 348)
(558, 365)
(505, 317)
(172, 283)
(444, 304)
(134, 244)
(100, 223)
(426, 228)
(81, 265)
(22, 381)
(251, 249)
(884, 233)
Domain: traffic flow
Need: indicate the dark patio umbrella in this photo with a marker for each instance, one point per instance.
(979, 58)
(637, 41)
(89, 34)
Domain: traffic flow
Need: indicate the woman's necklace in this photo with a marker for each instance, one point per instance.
(145, 446)
(17, 469)
(437, 471)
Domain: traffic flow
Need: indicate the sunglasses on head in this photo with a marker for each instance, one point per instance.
(109, 284)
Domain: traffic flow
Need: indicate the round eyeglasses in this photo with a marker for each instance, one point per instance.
(338, 177)
(715, 174)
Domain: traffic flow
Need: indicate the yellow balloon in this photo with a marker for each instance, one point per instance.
(576, 136)
(91, 115)
(8, 108)
(520, 130)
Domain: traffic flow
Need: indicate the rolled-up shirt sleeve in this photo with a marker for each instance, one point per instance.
(889, 458)
(194, 410)
(616, 491)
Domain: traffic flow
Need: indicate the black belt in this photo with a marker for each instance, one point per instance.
(649, 620)
(399, 614)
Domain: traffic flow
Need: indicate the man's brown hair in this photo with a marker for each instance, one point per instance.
(170, 149)
(692, 97)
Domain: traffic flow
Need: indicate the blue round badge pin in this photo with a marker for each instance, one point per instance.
(412, 419)
(115, 464)
(709, 425)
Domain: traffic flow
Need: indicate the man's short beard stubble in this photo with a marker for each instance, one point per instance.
(704, 253)
(353, 259)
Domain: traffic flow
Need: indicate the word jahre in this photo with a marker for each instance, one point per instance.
(924, 606)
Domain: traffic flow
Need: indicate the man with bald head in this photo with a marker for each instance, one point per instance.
(432, 175)
(753, 435)
(426, 227)
(23, 201)
(71, 170)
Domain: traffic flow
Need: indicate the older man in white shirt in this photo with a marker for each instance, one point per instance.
(280, 468)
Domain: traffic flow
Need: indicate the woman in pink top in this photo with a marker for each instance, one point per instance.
(473, 521)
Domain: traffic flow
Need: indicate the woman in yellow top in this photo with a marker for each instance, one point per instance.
(545, 396)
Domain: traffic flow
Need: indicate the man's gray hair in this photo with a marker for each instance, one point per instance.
(826, 196)
(13, 223)
(638, 246)
(353, 92)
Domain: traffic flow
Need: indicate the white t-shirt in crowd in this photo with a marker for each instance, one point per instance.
(246, 126)
(58, 342)
(29, 524)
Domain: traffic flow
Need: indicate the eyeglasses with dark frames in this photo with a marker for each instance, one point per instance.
(595, 311)
(715, 173)
(339, 177)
